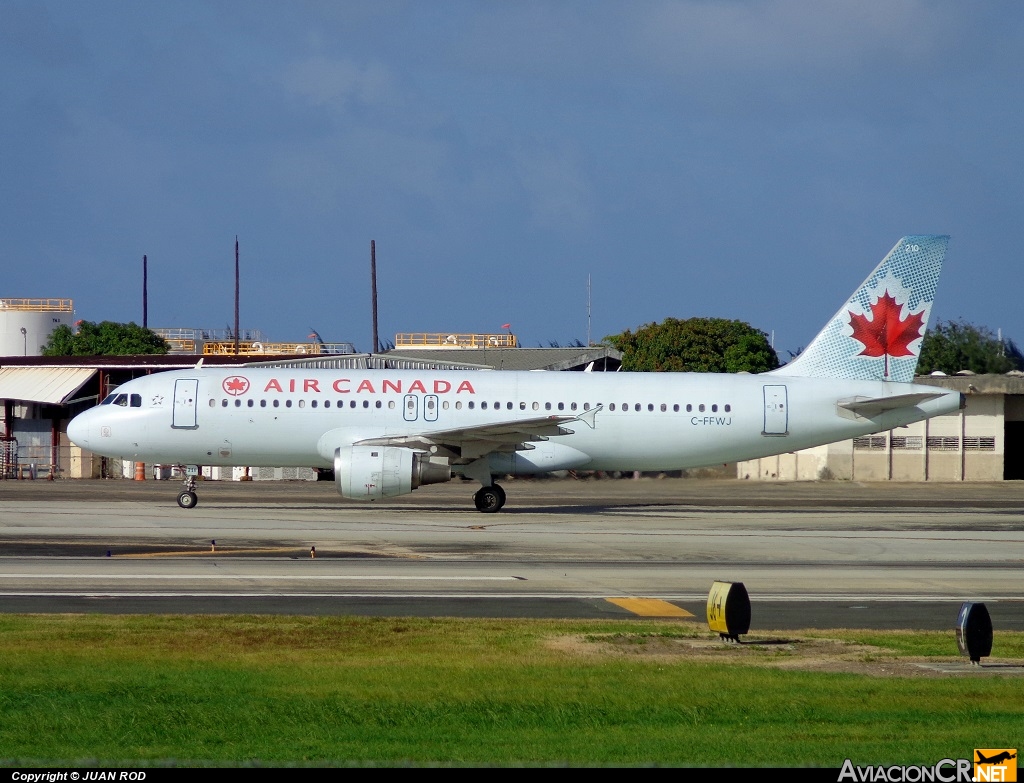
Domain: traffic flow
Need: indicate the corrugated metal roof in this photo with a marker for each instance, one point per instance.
(42, 384)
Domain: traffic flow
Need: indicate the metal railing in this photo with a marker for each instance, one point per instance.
(444, 340)
(247, 348)
(37, 305)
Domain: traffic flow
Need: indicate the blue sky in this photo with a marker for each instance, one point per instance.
(749, 160)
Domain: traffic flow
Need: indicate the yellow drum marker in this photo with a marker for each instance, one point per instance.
(649, 607)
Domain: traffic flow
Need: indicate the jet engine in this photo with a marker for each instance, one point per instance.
(372, 472)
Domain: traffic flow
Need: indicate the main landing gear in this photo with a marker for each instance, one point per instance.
(188, 497)
(489, 499)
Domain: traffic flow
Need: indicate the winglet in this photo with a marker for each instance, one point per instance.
(877, 334)
(199, 364)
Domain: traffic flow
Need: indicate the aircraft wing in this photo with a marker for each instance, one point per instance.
(469, 443)
(868, 408)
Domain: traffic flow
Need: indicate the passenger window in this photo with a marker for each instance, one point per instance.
(223, 403)
(263, 403)
(536, 406)
(287, 403)
(312, 403)
(508, 405)
(366, 403)
(586, 406)
(250, 403)
(444, 405)
(471, 404)
(701, 407)
(650, 406)
(327, 403)
(458, 405)
(561, 406)
(351, 403)
(714, 409)
(277, 403)
(302, 403)
(728, 408)
(664, 407)
(378, 403)
(611, 407)
(213, 403)
(391, 404)
(547, 406)
(238, 403)
(572, 406)
(636, 407)
(483, 406)
(675, 408)
(689, 407)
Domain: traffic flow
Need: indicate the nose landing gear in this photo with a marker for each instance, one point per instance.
(188, 497)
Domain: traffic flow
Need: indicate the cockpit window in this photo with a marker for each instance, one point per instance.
(122, 400)
(108, 399)
(136, 400)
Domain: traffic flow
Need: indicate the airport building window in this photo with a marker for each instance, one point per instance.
(910, 442)
(870, 442)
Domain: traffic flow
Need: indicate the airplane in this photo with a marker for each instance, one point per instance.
(996, 759)
(387, 432)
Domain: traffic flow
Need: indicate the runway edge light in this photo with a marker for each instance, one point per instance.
(974, 631)
(729, 610)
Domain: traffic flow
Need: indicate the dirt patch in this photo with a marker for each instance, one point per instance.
(776, 652)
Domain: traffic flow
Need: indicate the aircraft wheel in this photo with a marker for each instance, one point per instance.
(489, 499)
(187, 499)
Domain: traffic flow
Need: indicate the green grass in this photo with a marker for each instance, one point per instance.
(384, 691)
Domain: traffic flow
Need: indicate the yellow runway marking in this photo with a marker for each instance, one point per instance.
(650, 607)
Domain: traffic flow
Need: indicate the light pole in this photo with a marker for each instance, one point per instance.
(24, 336)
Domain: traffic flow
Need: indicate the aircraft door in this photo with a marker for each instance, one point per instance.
(411, 407)
(430, 407)
(776, 411)
(186, 392)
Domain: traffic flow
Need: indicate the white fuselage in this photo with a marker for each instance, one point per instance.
(643, 421)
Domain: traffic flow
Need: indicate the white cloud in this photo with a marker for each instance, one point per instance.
(335, 83)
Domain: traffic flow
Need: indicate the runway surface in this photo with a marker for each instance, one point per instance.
(811, 555)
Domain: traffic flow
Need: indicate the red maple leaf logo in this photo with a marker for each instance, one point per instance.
(885, 333)
(236, 385)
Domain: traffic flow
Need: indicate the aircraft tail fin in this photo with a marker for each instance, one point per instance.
(877, 334)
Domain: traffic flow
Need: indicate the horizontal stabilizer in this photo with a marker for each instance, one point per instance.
(868, 408)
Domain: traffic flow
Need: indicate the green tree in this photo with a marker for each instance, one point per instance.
(106, 338)
(695, 345)
(952, 346)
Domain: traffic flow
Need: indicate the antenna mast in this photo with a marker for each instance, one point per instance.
(373, 286)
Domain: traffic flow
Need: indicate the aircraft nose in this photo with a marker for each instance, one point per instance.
(78, 430)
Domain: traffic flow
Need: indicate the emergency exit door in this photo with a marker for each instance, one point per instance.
(776, 411)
